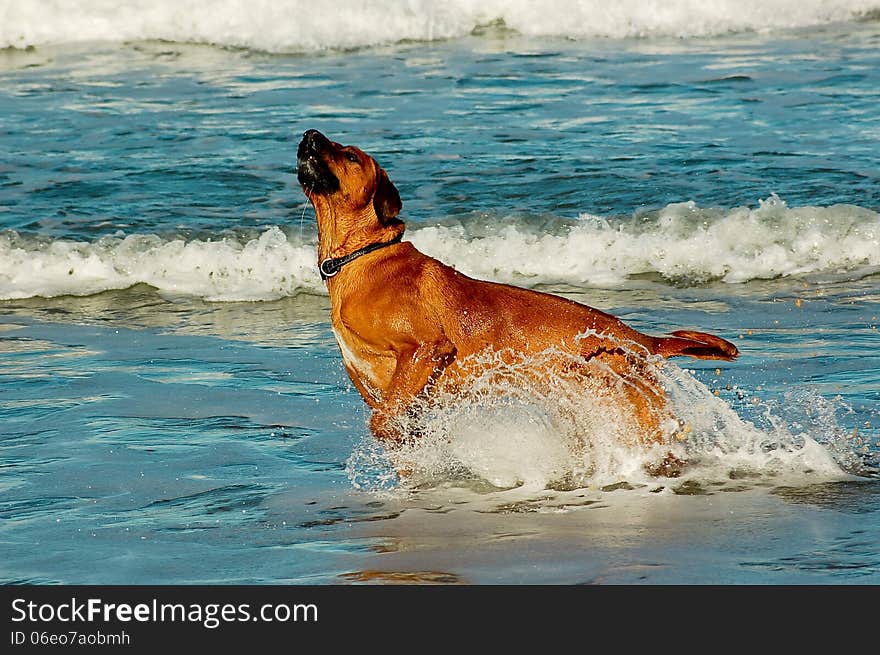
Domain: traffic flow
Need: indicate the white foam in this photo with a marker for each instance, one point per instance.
(565, 431)
(682, 243)
(264, 268)
(296, 25)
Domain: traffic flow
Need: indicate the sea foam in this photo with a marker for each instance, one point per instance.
(296, 26)
(510, 427)
(682, 244)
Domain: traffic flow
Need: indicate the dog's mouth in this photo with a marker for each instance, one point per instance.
(312, 170)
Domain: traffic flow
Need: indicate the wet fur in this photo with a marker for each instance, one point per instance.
(405, 322)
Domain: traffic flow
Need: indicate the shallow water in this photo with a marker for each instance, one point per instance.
(188, 444)
(153, 429)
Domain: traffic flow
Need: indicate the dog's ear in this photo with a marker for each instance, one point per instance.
(386, 200)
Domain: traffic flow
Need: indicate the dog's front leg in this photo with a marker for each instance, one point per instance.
(418, 369)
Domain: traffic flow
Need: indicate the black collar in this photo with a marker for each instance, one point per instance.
(331, 266)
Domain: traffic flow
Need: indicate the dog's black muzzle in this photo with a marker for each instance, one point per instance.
(311, 168)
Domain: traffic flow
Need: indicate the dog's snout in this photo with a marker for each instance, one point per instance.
(312, 142)
(311, 166)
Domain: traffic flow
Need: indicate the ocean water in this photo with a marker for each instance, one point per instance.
(173, 407)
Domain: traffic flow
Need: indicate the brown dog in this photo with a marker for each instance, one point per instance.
(406, 322)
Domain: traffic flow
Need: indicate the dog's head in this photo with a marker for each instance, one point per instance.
(347, 177)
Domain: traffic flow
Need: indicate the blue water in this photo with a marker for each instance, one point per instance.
(151, 435)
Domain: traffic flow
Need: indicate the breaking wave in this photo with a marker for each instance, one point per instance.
(297, 26)
(682, 244)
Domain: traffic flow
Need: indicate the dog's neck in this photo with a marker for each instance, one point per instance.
(340, 234)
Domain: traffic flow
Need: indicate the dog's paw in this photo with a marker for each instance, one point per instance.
(669, 467)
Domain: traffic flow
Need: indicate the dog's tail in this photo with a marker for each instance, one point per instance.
(695, 344)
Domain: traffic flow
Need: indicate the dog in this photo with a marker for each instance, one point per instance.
(406, 323)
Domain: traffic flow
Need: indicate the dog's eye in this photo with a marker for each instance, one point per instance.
(350, 156)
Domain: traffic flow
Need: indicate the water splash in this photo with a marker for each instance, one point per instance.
(563, 430)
